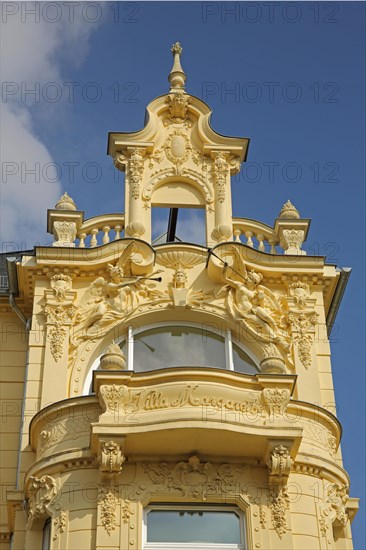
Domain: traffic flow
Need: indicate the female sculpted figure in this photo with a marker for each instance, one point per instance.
(256, 305)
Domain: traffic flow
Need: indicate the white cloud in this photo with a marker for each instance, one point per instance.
(32, 51)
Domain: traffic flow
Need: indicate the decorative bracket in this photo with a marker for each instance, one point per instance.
(110, 457)
(279, 464)
(42, 492)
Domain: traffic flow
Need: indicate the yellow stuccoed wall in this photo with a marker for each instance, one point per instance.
(267, 443)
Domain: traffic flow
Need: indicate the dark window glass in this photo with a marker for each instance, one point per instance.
(242, 362)
(46, 535)
(193, 526)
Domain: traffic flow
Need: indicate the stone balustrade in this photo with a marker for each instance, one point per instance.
(69, 229)
(100, 230)
(255, 234)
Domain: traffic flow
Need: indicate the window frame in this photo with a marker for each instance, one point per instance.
(47, 534)
(194, 545)
(229, 361)
(130, 338)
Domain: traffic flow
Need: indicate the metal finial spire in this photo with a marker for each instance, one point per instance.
(177, 76)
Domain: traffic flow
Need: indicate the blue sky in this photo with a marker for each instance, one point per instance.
(289, 76)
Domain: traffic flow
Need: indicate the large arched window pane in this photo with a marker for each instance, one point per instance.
(166, 346)
(178, 346)
(242, 362)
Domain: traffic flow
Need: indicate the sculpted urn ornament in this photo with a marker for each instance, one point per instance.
(113, 359)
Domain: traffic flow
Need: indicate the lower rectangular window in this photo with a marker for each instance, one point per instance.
(171, 527)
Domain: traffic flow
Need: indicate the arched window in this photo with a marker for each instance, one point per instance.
(177, 344)
(187, 346)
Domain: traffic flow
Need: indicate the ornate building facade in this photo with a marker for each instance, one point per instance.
(171, 395)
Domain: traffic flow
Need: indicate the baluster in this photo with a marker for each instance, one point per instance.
(93, 240)
(261, 246)
(273, 246)
(249, 235)
(118, 229)
(82, 240)
(106, 229)
(237, 233)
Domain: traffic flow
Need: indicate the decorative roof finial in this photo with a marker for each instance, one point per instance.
(65, 203)
(289, 211)
(177, 76)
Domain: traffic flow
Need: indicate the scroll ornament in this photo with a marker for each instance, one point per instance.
(42, 493)
(194, 479)
(333, 509)
(111, 458)
(279, 464)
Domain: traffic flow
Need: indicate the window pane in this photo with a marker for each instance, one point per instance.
(242, 362)
(178, 347)
(193, 526)
(46, 535)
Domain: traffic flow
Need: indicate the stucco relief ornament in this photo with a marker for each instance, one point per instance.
(106, 302)
(177, 149)
(262, 516)
(108, 502)
(194, 479)
(126, 511)
(300, 292)
(135, 170)
(255, 306)
(279, 505)
(42, 493)
(57, 317)
(275, 401)
(111, 458)
(120, 161)
(64, 233)
(178, 106)
(57, 337)
(200, 160)
(155, 157)
(221, 171)
(302, 325)
(113, 399)
(177, 294)
(59, 525)
(333, 509)
(280, 463)
(60, 284)
(292, 240)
